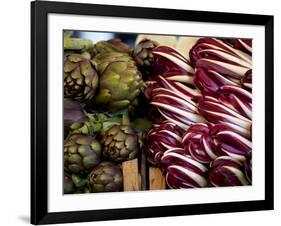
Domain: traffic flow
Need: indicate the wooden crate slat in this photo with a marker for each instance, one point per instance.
(131, 175)
(156, 179)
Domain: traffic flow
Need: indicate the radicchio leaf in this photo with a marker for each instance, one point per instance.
(214, 54)
(160, 139)
(167, 59)
(182, 171)
(216, 112)
(226, 171)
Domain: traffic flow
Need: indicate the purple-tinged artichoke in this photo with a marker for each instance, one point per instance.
(182, 171)
(80, 77)
(73, 115)
(68, 185)
(160, 139)
(120, 143)
(106, 177)
(81, 154)
(226, 171)
(143, 56)
(214, 54)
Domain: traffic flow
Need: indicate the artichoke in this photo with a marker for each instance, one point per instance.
(143, 56)
(75, 184)
(68, 186)
(73, 116)
(120, 143)
(106, 177)
(81, 154)
(80, 77)
(113, 45)
(77, 121)
(120, 81)
(81, 184)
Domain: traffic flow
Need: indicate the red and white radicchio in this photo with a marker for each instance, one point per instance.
(213, 54)
(226, 171)
(160, 139)
(182, 171)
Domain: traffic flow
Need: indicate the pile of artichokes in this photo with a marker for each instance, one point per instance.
(102, 87)
(189, 113)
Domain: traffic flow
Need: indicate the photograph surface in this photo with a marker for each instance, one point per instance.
(151, 112)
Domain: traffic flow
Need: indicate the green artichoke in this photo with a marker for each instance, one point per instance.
(120, 81)
(106, 177)
(143, 56)
(80, 77)
(120, 143)
(113, 45)
(81, 184)
(81, 154)
(77, 121)
(76, 184)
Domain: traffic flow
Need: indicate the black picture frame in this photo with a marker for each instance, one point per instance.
(39, 112)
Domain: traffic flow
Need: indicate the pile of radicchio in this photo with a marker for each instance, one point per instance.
(202, 110)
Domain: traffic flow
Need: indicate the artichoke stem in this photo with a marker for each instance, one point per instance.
(125, 118)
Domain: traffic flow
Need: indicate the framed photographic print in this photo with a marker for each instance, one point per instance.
(145, 112)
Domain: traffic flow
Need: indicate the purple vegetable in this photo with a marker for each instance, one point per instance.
(73, 115)
(206, 142)
(226, 171)
(179, 77)
(182, 171)
(213, 54)
(237, 98)
(160, 139)
(244, 45)
(198, 141)
(248, 169)
(154, 115)
(209, 81)
(216, 112)
(233, 144)
(176, 102)
(150, 86)
(167, 59)
(246, 81)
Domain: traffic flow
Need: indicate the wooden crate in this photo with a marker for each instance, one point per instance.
(134, 177)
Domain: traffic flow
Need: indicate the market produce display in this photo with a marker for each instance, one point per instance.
(131, 110)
